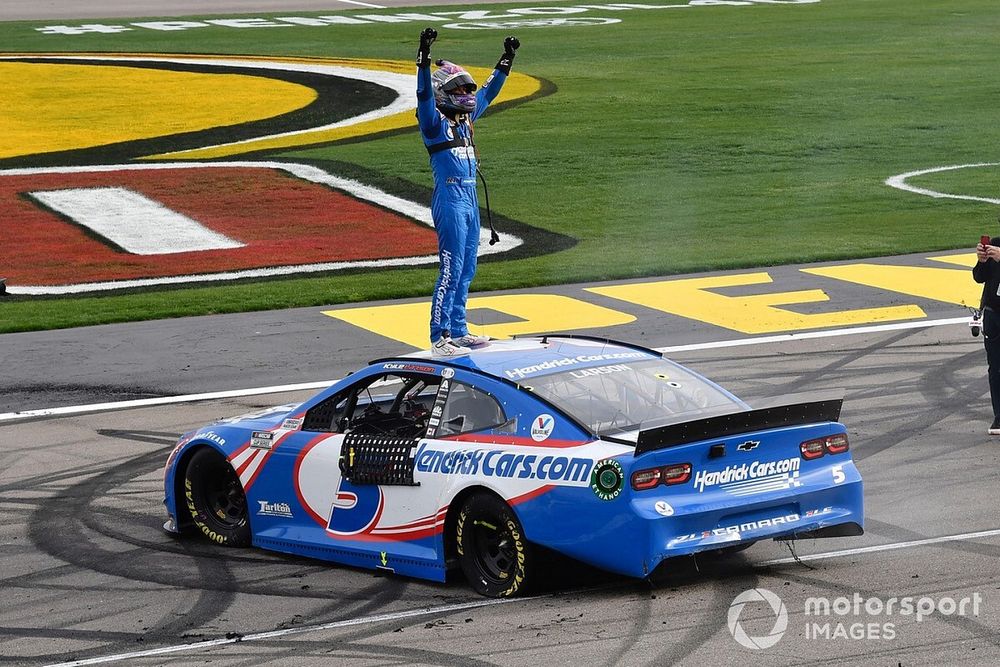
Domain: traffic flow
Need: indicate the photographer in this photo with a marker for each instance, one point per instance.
(987, 272)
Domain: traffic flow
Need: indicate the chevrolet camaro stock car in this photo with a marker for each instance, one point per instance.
(602, 451)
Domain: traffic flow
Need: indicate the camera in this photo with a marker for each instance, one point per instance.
(975, 323)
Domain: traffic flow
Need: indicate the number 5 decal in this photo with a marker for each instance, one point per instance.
(356, 510)
(838, 474)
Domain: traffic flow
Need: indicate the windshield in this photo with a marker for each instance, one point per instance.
(632, 396)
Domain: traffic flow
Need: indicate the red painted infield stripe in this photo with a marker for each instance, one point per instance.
(283, 220)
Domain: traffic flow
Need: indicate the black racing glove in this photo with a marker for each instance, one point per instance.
(427, 37)
(510, 46)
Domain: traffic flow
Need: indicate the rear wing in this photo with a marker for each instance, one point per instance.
(721, 426)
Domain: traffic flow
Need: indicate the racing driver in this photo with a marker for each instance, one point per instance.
(447, 105)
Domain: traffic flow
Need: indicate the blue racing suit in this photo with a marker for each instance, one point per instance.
(454, 206)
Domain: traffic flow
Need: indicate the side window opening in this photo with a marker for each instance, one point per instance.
(387, 404)
(467, 410)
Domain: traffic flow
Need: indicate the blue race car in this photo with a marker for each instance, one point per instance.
(605, 452)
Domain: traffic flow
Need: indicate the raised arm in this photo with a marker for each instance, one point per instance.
(495, 82)
(427, 114)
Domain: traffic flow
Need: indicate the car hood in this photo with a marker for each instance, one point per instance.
(260, 420)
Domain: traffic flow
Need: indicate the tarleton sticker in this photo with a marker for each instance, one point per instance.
(607, 479)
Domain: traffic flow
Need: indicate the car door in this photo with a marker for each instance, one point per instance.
(356, 482)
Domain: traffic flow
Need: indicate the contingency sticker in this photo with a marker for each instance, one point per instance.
(262, 440)
(542, 426)
(438, 408)
(293, 424)
(663, 508)
(607, 479)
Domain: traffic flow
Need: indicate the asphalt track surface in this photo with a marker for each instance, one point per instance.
(87, 574)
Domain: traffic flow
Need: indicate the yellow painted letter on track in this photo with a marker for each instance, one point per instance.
(528, 313)
(948, 285)
(752, 314)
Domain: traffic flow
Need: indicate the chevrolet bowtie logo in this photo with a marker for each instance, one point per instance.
(748, 445)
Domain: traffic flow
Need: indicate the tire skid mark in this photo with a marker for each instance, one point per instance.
(351, 643)
(891, 655)
(639, 626)
(67, 633)
(902, 534)
(728, 574)
(965, 623)
(842, 361)
(74, 527)
(39, 482)
(924, 418)
(355, 650)
(60, 528)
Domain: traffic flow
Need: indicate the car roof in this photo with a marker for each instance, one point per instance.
(528, 357)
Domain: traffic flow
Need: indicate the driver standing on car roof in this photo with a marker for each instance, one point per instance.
(447, 105)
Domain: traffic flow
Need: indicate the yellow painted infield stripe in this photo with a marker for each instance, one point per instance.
(51, 107)
(256, 105)
(517, 86)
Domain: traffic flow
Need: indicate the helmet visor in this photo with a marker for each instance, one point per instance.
(457, 80)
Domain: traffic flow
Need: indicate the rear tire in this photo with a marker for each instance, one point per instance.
(215, 499)
(494, 555)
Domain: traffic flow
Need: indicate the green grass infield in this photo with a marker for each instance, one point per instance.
(674, 140)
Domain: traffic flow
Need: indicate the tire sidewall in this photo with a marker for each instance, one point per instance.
(491, 508)
(201, 472)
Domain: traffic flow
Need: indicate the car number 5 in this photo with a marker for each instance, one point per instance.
(838, 474)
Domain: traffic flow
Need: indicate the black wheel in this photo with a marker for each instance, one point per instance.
(494, 555)
(214, 497)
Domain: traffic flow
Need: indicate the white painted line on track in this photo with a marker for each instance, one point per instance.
(363, 4)
(163, 400)
(237, 393)
(877, 328)
(892, 546)
(257, 636)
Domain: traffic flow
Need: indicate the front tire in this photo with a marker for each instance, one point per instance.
(215, 499)
(494, 555)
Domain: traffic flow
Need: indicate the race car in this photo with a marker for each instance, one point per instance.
(602, 451)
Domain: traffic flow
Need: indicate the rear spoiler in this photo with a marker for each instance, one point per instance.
(721, 426)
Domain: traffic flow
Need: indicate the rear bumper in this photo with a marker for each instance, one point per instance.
(661, 526)
(829, 512)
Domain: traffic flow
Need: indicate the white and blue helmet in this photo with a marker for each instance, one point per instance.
(446, 79)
